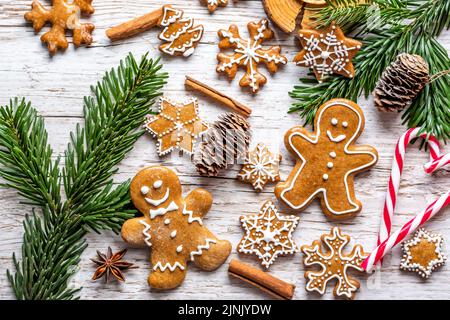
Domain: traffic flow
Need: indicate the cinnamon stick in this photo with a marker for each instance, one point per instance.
(135, 26)
(218, 96)
(264, 281)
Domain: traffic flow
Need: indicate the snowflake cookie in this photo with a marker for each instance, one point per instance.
(177, 125)
(333, 263)
(214, 4)
(423, 253)
(260, 166)
(248, 54)
(327, 51)
(268, 234)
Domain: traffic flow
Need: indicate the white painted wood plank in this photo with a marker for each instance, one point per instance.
(56, 86)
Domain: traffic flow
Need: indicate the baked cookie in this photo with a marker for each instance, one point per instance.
(172, 227)
(328, 160)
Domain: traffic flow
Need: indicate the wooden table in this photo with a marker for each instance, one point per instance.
(56, 87)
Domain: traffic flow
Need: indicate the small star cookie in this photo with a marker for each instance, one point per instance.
(327, 51)
(176, 126)
(423, 253)
(268, 234)
(260, 166)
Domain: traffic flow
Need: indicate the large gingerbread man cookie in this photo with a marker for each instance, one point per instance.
(172, 227)
(328, 161)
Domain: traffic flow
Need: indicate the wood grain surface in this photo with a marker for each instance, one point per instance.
(56, 87)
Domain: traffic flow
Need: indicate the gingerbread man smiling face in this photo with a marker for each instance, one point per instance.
(172, 227)
(328, 161)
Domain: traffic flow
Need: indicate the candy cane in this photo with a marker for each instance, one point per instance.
(437, 161)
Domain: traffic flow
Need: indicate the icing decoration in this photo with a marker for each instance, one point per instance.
(333, 263)
(312, 177)
(423, 253)
(162, 211)
(185, 239)
(200, 248)
(268, 234)
(157, 202)
(144, 190)
(248, 54)
(260, 166)
(191, 218)
(386, 240)
(176, 126)
(327, 51)
(171, 267)
(213, 4)
(180, 33)
(145, 232)
(157, 184)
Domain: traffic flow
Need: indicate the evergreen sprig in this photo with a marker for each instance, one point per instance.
(406, 26)
(54, 240)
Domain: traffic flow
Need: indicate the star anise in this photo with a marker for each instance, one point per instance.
(111, 264)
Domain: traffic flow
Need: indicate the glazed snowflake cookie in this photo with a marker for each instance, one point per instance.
(260, 166)
(268, 234)
(327, 51)
(214, 4)
(176, 126)
(333, 263)
(423, 253)
(172, 226)
(248, 54)
(327, 161)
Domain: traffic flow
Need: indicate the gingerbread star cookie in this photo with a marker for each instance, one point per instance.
(176, 126)
(327, 161)
(260, 167)
(268, 234)
(423, 253)
(248, 54)
(333, 263)
(327, 51)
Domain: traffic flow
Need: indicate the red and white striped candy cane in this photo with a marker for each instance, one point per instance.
(403, 232)
(436, 162)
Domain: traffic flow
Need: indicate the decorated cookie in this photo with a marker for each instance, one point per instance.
(333, 263)
(260, 166)
(176, 126)
(327, 51)
(63, 15)
(327, 161)
(423, 253)
(180, 33)
(268, 234)
(248, 54)
(214, 4)
(172, 227)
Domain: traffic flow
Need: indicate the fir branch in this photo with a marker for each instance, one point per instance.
(25, 155)
(381, 47)
(52, 244)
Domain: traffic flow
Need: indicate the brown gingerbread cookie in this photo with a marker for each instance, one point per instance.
(248, 54)
(172, 226)
(63, 15)
(328, 254)
(328, 160)
(214, 4)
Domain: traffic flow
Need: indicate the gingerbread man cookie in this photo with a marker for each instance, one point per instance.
(328, 160)
(172, 227)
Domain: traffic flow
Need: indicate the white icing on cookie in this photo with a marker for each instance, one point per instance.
(167, 221)
(337, 139)
(173, 234)
(145, 232)
(356, 206)
(145, 190)
(191, 218)
(334, 121)
(179, 248)
(157, 184)
(162, 211)
(200, 248)
(171, 267)
(157, 202)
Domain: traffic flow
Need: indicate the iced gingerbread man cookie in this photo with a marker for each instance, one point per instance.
(328, 161)
(172, 227)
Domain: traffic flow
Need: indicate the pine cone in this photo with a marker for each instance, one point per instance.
(223, 144)
(401, 82)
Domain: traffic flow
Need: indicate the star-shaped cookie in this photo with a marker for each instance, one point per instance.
(327, 51)
(423, 253)
(268, 234)
(260, 166)
(176, 126)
